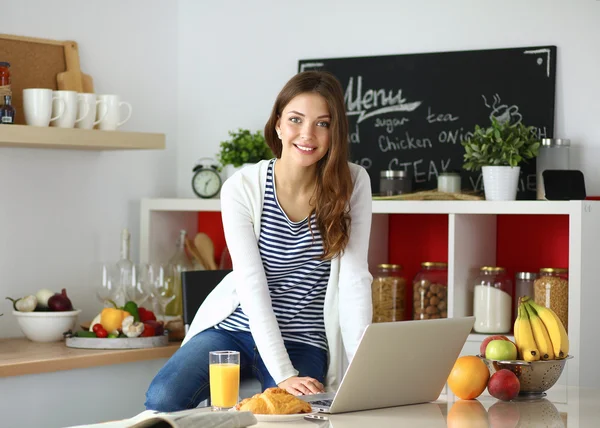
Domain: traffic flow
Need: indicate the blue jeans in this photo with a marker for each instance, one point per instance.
(182, 383)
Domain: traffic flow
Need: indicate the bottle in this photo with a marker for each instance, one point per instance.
(7, 112)
(124, 269)
(178, 263)
(430, 291)
(492, 301)
(5, 88)
(387, 291)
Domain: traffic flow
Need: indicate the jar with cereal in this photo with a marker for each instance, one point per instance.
(430, 291)
(551, 289)
(492, 300)
(388, 293)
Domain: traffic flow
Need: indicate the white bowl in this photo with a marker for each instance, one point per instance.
(46, 326)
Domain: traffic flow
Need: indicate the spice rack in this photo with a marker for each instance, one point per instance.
(467, 234)
(77, 139)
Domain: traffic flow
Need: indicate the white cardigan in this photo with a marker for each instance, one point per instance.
(347, 308)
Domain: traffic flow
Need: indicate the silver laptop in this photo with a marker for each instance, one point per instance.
(397, 363)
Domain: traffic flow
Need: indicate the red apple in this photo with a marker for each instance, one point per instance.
(504, 385)
(488, 340)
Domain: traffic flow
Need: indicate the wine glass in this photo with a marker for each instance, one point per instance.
(136, 288)
(159, 275)
(106, 285)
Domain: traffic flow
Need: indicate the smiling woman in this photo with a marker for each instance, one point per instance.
(297, 228)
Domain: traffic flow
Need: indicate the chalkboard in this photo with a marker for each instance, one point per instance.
(412, 111)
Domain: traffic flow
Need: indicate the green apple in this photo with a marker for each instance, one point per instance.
(501, 350)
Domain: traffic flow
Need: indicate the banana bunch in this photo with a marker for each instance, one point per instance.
(539, 333)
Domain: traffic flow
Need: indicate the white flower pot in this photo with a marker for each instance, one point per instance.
(500, 182)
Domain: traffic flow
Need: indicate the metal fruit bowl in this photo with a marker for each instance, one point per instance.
(536, 377)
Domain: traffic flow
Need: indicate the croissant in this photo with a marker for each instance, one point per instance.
(274, 401)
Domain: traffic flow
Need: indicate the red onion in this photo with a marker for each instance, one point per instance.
(60, 302)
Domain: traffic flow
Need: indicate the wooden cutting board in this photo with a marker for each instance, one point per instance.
(73, 79)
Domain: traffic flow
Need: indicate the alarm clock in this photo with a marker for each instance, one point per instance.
(206, 181)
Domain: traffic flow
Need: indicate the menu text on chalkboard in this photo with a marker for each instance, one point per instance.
(412, 111)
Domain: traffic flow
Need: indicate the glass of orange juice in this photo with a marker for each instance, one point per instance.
(224, 376)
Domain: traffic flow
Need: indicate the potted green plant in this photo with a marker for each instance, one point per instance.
(244, 147)
(497, 151)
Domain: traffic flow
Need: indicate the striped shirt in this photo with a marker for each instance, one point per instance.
(296, 278)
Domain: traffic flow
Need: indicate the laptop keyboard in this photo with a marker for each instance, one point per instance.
(324, 403)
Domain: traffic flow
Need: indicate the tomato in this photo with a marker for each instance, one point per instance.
(148, 331)
(96, 327)
(101, 333)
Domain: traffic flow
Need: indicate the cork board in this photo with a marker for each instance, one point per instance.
(34, 63)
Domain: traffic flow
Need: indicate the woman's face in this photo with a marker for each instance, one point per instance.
(304, 129)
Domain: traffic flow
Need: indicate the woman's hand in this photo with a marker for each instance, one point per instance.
(302, 385)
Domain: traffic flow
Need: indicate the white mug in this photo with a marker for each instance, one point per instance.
(37, 106)
(111, 109)
(91, 102)
(69, 117)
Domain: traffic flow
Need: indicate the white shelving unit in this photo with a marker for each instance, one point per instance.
(472, 230)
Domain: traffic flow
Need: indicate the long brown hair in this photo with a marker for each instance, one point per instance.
(334, 182)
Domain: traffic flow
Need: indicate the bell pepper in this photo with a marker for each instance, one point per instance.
(112, 318)
(146, 315)
(133, 310)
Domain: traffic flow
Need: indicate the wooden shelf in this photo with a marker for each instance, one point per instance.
(77, 139)
(20, 356)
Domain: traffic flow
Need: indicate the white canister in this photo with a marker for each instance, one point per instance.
(449, 182)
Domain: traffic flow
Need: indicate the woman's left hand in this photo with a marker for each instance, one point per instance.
(302, 385)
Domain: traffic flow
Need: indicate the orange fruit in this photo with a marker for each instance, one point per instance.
(469, 377)
(467, 414)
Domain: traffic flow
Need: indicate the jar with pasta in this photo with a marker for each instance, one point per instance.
(551, 289)
(430, 291)
(388, 289)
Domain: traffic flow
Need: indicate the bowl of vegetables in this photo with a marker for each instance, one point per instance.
(45, 316)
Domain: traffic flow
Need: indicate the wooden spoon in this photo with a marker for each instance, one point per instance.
(189, 245)
(206, 249)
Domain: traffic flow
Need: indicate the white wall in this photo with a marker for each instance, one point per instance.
(63, 210)
(236, 56)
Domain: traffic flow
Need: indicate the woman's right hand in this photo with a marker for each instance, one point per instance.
(302, 385)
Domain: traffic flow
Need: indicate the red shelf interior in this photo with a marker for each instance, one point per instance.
(413, 239)
(210, 222)
(524, 242)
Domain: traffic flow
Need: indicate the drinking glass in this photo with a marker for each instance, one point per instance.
(224, 375)
(158, 287)
(137, 286)
(105, 283)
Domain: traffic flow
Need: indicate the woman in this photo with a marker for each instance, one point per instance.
(297, 228)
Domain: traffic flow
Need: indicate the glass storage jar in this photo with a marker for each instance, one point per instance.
(449, 182)
(492, 301)
(387, 290)
(393, 183)
(551, 290)
(430, 291)
(554, 154)
(523, 287)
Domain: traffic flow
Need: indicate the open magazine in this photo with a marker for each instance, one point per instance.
(192, 418)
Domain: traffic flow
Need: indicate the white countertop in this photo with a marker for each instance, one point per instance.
(581, 411)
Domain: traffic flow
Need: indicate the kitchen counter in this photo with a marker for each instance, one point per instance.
(20, 356)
